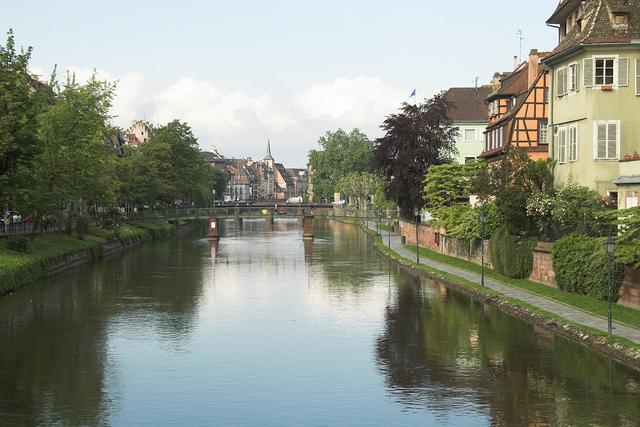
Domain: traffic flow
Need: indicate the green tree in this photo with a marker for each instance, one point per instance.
(340, 154)
(359, 185)
(74, 167)
(511, 182)
(21, 100)
(417, 137)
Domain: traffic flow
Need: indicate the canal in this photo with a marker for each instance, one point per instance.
(265, 330)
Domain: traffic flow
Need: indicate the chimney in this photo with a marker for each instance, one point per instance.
(534, 59)
(515, 62)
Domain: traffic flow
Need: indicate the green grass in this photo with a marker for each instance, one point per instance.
(621, 313)
(18, 269)
(379, 243)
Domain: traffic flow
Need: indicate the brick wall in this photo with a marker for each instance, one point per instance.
(542, 271)
(630, 289)
(439, 242)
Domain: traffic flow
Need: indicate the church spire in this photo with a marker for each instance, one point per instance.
(268, 157)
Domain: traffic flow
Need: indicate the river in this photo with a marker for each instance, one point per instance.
(265, 330)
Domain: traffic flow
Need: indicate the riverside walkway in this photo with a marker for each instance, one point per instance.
(569, 313)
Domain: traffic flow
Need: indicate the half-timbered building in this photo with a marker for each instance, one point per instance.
(518, 111)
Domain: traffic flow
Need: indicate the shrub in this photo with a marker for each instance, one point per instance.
(18, 244)
(110, 219)
(580, 265)
(512, 255)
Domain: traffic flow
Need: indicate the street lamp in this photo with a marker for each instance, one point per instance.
(416, 213)
(610, 248)
(483, 221)
(389, 222)
(214, 202)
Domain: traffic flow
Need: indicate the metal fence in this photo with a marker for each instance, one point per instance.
(17, 228)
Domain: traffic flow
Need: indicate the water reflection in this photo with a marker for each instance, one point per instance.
(263, 328)
(442, 351)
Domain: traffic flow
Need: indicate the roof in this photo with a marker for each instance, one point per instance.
(283, 173)
(468, 103)
(597, 26)
(212, 156)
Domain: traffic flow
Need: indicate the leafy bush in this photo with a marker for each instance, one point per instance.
(512, 255)
(18, 244)
(110, 219)
(575, 209)
(580, 265)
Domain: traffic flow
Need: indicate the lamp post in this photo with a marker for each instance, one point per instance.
(214, 202)
(610, 248)
(416, 213)
(483, 221)
(389, 218)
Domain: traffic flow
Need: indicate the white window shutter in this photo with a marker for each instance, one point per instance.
(638, 76)
(559, 84)
(601, 140)
(576, 70)
(565, 83)
(588, 72)
(623, 72)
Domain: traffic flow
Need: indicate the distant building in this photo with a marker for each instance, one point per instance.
(139, 132)
(469, 113)
(265, 179)
(519, 111)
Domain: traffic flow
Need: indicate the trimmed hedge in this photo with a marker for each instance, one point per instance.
(512, 255)
(580, 265)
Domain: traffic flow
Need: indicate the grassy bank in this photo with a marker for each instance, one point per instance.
(620, 348)
(18, 269)
(621, 313)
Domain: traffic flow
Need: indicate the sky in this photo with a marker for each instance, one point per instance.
(243, 72)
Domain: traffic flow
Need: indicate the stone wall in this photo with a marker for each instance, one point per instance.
(630, 289)
(542, 271)
(437, 241)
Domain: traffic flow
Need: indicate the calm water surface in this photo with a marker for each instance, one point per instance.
(265, 330)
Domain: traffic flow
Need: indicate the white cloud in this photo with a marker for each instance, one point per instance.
(239, 124)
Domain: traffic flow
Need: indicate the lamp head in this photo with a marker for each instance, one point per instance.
(416, 212)
(610, 245)
(483, 215)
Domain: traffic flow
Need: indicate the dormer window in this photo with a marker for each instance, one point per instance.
(620, 19)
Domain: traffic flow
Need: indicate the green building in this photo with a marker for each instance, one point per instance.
(595, 96)
(469, 113)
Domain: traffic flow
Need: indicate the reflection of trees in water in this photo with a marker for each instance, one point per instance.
(347, 259)
(54, 364)
(444, 354)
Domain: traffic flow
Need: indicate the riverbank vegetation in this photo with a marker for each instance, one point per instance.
(18, 268)
(60, 156)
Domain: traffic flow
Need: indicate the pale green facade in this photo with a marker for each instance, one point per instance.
(595, 126)
(470, 140)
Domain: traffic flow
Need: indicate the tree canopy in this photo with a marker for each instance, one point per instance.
(415, 138)
(340, 154)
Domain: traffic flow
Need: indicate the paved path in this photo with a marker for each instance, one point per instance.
(570, 313)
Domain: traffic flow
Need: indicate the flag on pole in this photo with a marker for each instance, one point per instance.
(413, 93)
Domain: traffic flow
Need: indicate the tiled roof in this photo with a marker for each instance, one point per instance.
(467, 103)
(597, 25)
(283, 173)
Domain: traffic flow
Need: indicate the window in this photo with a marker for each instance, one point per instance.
(469, 134)
(620, 19)
(543, 132)
(606, 139)
(562, 145)
(605, 70)
(573, 77)
(573, 143)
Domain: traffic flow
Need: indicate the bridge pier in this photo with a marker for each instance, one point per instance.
(213, 229)
(307, 227)
(238, 217)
